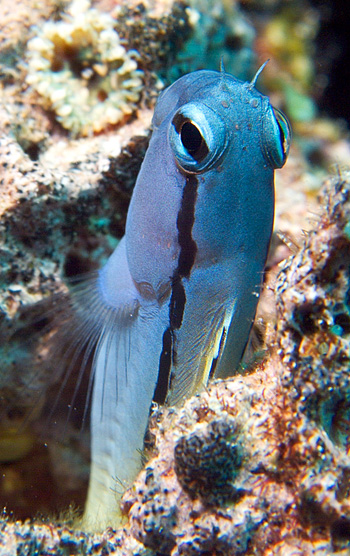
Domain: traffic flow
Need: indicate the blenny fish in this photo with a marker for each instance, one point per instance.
(175, 302)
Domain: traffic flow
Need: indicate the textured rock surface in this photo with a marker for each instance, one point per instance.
(279, 467)
(257, 465)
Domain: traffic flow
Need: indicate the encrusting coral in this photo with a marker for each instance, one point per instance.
(258, 464)
(281, 450)
(82, 70)
(314, 327)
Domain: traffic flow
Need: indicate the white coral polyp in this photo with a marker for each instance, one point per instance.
(84, 73)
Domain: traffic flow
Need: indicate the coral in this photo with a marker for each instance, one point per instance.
(16, 19)
(258, 464)
(79, 212)
(194, 35)
(314, 328)
(287, 38)
(198, 477)
(289, 34)
(48, 539)
(82, 71)
(206, 465)
(281, 450)
(220, 32)
(63, 204)
(158, 37)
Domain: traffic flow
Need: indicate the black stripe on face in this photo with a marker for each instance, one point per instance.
(187, 256)
(177, 304)
(184, 223)
(161, 389)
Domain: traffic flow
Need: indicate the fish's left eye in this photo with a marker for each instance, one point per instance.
(277, 137)
(197, 136)
(285, 133)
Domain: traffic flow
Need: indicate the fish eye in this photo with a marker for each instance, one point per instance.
(193, 141)
(191, 138)
(277, 137)
(285, 132)
(197, 137)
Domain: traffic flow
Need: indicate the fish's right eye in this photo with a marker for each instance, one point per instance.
(193, 141)
(197, 137)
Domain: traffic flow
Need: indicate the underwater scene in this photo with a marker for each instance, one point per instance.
(174, 278)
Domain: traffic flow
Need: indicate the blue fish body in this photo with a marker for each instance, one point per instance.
(176, 300)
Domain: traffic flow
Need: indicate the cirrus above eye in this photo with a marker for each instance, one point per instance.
(197, 137)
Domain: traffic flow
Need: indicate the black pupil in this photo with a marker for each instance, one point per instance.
(191, 138)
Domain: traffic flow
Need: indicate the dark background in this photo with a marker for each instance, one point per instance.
(332, 56)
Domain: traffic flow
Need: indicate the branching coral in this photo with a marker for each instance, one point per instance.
(83, 72)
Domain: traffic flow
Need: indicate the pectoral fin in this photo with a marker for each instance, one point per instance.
(125, 373)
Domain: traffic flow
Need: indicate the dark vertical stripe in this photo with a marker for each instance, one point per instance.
(185, 221)
(161, 388)
(187, 256)
(216, 359)
(177, 304)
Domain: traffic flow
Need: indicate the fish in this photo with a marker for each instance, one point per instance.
(174, 304)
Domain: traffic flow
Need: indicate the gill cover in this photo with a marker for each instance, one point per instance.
(178, 296)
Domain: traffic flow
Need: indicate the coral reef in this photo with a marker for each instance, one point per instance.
(206, 464)
(79, 213)
(314, 326)
(220, 32)
(287, 40)
(16, 19)
(280, 454)
(24, 539)
(159, 36)
(258, 464)
(82, 70)
(206, 453)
